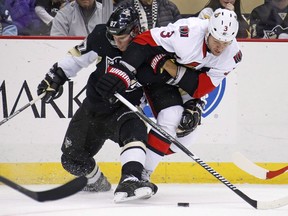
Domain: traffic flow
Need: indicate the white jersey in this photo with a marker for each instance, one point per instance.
(186, 38)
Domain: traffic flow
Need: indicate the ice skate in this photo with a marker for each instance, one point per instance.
(100, 185)
(131, 188)
(145, 175)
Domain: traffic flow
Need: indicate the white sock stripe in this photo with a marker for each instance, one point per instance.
(94, 175)
(133, 155)
(135, 144)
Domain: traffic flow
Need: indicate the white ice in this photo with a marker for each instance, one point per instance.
(204, 199)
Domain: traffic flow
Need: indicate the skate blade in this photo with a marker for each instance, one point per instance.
(140, 193)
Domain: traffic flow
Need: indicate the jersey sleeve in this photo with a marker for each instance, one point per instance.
(210, 79)
(171, 37)
(82, 55)
(183, 38)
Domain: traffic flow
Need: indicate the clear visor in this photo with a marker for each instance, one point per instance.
(119, 40)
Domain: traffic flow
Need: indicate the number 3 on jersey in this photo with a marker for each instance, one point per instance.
(165, 34)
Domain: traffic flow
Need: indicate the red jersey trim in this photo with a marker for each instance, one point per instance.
(204, 49)
(205, 86)
(157, 144)
(145, 38)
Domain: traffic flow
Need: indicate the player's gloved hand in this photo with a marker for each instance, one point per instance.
(158, 62)
(191, 117)
(52, 83)
(116, 80)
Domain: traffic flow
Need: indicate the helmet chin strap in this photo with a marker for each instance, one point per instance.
(135, 32)
(132, 34)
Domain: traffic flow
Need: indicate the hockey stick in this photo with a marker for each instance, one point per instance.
(60, 192)
(22, 108)
(253, 169)
(255, 203)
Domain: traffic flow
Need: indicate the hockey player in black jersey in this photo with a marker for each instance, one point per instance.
(99, 119)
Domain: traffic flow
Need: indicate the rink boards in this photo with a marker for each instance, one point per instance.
(248, 114)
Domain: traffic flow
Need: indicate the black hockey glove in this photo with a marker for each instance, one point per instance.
(191, 117)
(158, 62)
(52, 83)
(117, 79)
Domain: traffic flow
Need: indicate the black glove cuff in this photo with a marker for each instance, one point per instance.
(56, 75)
(194, 103)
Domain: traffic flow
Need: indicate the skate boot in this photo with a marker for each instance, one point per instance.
(100, 185)
(131, 188)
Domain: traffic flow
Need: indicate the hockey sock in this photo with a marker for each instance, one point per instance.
(94, 175)
(133, 153)
(132, 168)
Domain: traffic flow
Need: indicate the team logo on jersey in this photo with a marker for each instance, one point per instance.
(67, 142)
(238, 57)
(184, 31)
(111, 61)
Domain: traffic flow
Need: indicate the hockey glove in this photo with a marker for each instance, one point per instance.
(191, 117)
(158, 62)
(52, 83)
(117, 79)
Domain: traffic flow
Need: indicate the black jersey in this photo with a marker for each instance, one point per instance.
(98, 44)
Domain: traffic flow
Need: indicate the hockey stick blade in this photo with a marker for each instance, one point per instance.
(254, 203)
(60, 192)
(253, 169)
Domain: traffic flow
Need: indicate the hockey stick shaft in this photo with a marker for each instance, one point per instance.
(22, 108)
(60, 192)
(253, 169)
(254, 203)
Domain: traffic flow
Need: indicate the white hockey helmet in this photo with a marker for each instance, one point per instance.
(223, 25)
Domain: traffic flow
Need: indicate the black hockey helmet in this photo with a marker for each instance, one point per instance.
(123, 21)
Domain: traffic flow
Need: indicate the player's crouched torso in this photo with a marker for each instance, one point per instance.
(186, 38)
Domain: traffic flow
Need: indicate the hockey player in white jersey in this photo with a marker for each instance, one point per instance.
(207, 51)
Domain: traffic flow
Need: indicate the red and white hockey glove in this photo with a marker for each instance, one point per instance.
(116, 80)
(158, 62)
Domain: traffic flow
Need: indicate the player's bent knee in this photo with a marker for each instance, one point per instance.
(77, 167)
(169, 118)
(133, 130)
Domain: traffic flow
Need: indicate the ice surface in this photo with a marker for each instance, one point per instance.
(204, 199)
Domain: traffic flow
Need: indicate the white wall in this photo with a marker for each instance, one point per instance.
(251, 118)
